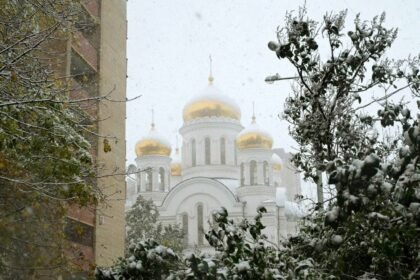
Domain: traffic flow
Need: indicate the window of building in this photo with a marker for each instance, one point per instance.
(253, 172)
(200, 229)
(86, 24)
(148, 179)
(82, 73)
(266, 174)
(222, 150)
(161, 179)
(185, 228)
(207, 151)
(242, 174)
(193, 153)
(78, 232)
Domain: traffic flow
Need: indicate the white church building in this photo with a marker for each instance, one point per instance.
(221, 163)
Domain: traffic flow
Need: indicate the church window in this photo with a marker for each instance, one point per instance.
(185, 228)
(222, 151)
(200, 229)
(207, 151)
(253, 172)
(242, 175)
(193, 153)
(148, 179)
(161, 179)
(265, 173)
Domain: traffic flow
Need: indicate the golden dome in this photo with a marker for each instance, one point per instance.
(211, 104)
(176, 167)
(254, 138)
(276, 167)
(153, 144)
(277, 162)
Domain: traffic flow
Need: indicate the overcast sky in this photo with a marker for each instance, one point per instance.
(169, 42)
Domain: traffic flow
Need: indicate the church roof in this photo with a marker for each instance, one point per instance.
(211, 103)
(153, 144)
(253, 137)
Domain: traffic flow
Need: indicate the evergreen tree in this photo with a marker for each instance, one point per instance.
(142, 224)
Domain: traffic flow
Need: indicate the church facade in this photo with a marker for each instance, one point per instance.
(220, 164)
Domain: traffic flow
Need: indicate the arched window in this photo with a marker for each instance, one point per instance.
(207, 152)
(185, 228)
(242, 175)
(222, 150)
(200, 229)
(253, 172)
(193, 153)
(148, 179)
(265, 174)
(161, 179)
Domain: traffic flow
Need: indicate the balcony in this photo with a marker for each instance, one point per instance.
(85, 50)
(92, 6)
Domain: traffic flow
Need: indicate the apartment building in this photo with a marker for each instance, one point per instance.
(97, 66)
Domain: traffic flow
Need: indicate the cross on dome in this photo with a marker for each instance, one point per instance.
(253, 112)
(211, 78)
(152, 125)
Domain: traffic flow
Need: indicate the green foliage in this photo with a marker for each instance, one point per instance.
(145, 260)
(142, 225)
(331, 83)
(370, 227)
(242, 252)
(45, 159)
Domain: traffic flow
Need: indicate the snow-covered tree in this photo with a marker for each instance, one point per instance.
(241, 252)
(335, 69)
(142, 224)
(45, 157)
(370, 226)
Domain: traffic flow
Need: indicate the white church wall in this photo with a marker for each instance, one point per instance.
(186, 197)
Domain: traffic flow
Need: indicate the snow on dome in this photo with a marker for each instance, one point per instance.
(253, 137)
(277, 162)
(211, 103)
(153, 144)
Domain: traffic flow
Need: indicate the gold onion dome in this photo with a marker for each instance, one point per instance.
(211, 103)
(277, 162)
(153, 145)
(176, 168)
(253, 137)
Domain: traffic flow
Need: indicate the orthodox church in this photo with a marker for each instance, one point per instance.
(220, 163)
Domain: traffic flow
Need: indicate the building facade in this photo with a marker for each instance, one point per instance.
(220, 164)
(96, 63)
